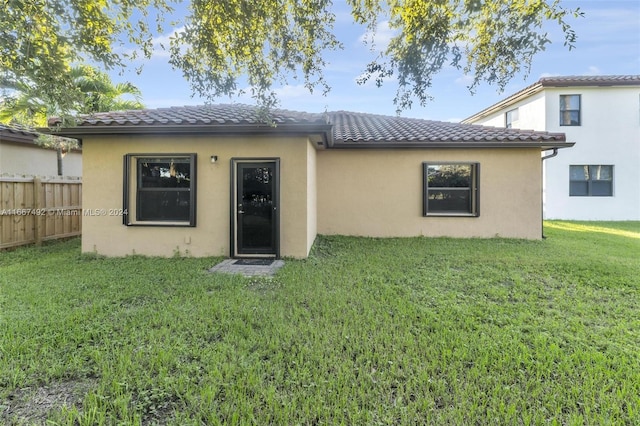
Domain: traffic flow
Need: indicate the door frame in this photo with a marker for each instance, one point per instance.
(233, 190)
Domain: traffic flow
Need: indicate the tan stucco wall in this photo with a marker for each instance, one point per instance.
(379, 193)
(312, 197)
(364, 192)
(103, 188)
(30, 159)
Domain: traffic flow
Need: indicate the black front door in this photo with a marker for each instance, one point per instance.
(256, 214)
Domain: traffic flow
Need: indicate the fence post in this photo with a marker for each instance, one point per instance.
(40, 213)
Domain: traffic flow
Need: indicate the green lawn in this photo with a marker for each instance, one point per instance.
(364, 332)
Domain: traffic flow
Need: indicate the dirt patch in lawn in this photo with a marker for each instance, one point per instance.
(32, 405)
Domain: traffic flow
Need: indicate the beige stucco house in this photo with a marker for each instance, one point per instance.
(216, 180)
(21, 155)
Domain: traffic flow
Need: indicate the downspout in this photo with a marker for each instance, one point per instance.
(553, 154)
(546, 157)
(59, 156)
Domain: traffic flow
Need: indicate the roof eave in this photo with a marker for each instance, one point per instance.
(516, 97)
(597, 83)
(542, 145)
(18, 139)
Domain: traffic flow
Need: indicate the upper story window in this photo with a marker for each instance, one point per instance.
(451, 189)
(510, 117)
(569, 110)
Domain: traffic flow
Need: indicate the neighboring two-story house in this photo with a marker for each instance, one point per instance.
(599, 178)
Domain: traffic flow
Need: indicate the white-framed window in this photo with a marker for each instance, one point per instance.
(451, 189)
(591, 180)
(160, 189)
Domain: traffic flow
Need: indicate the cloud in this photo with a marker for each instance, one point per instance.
(288, 91)
(284, 93)
(464, 80)
(380, 38)
(162, 42)
(593, 70)
(173, 101)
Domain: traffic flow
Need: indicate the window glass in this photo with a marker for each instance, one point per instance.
(510, 117)
(450, 189)
(579, 188)
(164, 172)
(579, 172)
(449, 201)
(163, 205)
(570, 102)
(601, 189)
(163, 187)
(591, 180)
(569, 110)
(570, 118)
(449, 175)
(601, 172)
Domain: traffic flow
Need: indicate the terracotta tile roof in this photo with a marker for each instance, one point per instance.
(590, 80)
(17, 133)
(359, 128)
(342, 128)
(17, 129)
(219, 114)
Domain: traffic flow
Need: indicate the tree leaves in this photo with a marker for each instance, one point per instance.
(270, 42)
(265, 41)
(92, 91)
(490, 40)
(40, 40)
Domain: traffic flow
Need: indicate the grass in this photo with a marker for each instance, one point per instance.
(365, 331)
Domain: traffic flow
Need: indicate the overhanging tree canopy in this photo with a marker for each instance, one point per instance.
(93, 91)
(269, 41)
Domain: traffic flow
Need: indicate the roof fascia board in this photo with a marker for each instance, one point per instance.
(18, 139)
(516, 97)
(323, 130)
(453, 145)
(557, 83)
(27, 144)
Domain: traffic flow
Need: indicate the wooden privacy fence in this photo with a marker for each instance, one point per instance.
(34, 209)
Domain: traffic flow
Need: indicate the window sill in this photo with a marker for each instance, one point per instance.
(162, 224)
(451, 215)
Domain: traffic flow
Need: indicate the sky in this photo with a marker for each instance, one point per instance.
(608, 43)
